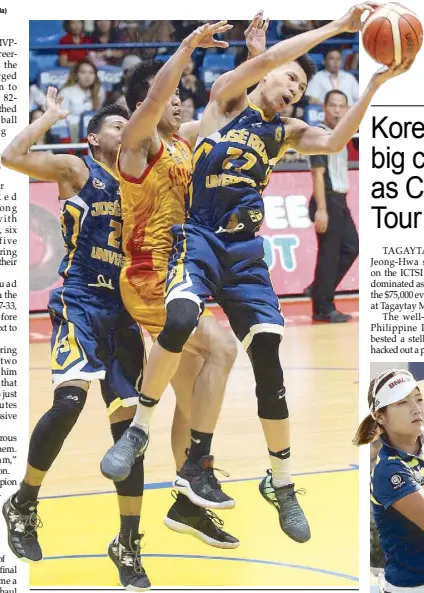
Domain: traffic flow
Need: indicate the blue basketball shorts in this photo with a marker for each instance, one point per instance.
(203, 265)
(95, 338)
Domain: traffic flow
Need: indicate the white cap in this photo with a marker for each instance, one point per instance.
(394, 390)
(130, 61)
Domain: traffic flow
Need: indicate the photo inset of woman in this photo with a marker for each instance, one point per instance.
(396, 416)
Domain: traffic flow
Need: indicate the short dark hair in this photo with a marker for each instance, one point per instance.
(335, 92)
(308, 66)
(330, 49)
(67, 28)
(96, 122)
(138, 83)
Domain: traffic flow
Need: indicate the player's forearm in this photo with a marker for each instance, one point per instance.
(319, 191)
(168, 77)
(252, 71)
(349, 124)
(22, 143)
(145, 119)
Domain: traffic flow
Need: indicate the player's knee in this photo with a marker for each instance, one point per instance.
(134, 484)
(68, 403)
(53, 428)
(225, 351)
(217, 344)
(270, 389)
(181, 319)
(272, 406)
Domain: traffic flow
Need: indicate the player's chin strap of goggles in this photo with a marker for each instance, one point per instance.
(378, 381)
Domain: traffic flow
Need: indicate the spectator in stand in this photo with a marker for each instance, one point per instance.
(291, 28)
(187, 108)
(193, 86)
(74, 36)
(117, 94)
(36, 97)
(81, 92)
(147, 32)
(333, 77)
(105, 32)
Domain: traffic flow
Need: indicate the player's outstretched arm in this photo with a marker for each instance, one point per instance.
(313, 140)
(412, 507)
(233, 85)
(43, 165)
(145, 119)
(255, 36)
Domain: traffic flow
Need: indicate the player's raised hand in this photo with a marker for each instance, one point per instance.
(387, 72)
(204, 36)
(53, 104)
(352, 21)
(255, 34)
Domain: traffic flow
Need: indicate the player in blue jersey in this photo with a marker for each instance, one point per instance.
(217, 252)
(93, 336)
(396, 405)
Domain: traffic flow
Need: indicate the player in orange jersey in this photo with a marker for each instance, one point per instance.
(154, 168)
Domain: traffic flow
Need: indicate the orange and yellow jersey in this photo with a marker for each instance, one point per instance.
(151, 205)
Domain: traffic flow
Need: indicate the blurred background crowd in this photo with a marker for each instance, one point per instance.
(81, 59)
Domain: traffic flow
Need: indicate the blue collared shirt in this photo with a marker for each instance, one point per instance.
(395, 475)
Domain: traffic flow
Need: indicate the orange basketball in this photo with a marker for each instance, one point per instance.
(392, 33)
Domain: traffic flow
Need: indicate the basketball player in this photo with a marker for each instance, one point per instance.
(217, 253)
(154, 170)
(92, 332)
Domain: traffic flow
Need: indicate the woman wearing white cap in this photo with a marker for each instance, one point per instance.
(397, 480)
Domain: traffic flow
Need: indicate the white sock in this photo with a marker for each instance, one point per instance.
(143, 414)
(280, 465)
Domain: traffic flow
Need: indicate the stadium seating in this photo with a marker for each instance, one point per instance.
(317, 58)
(45, 32)
(213, 66)
(223, 62)
(54, 77)
(313, 115)
(61, 133)
(34, 70)
(84, 119)
(44, 61)
(109, 76)
(162, 57)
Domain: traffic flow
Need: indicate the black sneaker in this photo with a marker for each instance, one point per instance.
(197, 481)
(292, 519)
(132, 575)
(201, 523)
(22, 528)
(332, 317)
(118, 461)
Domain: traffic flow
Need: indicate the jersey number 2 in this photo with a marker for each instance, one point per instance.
(115, 235)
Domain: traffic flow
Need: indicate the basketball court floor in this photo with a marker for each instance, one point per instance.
(79, 508)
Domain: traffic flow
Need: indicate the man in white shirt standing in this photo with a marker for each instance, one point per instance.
(333, 77)
(338, 242)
